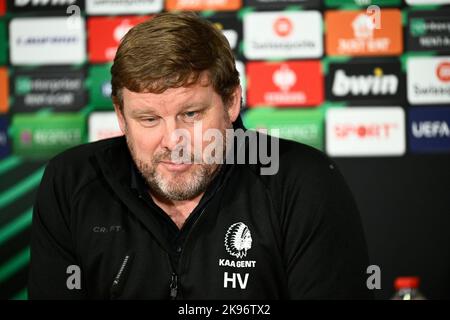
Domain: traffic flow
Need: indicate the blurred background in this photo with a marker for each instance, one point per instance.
(365, 81)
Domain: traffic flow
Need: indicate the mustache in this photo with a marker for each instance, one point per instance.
(166, 156)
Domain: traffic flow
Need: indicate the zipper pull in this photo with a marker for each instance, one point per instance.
(174, 286)
(114, 290)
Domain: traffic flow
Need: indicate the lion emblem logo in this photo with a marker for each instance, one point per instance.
(238, 240)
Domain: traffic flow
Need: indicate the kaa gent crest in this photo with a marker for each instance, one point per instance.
(238, 240)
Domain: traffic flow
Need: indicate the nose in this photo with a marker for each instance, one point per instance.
(170, 138)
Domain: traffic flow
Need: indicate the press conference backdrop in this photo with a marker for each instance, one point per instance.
(368, 85)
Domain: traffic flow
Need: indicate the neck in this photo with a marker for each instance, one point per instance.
(178, 211)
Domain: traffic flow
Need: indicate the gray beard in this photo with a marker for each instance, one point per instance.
(188, 187)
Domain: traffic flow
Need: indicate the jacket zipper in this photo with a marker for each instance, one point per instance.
(173, 286)
(174, 277)
(116, 285)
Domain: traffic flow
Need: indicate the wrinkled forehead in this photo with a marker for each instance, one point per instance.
(173, 99)
(174, 81)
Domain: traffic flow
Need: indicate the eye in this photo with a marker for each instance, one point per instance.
(149, 122)
(191, 116)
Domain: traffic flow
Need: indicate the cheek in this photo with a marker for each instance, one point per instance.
(217, 121)
(144, 140)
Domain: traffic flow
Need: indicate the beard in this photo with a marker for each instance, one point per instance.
(177, 186)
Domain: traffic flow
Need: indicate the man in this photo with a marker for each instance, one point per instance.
(126, 218)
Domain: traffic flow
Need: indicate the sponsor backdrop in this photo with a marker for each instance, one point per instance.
(366, 81)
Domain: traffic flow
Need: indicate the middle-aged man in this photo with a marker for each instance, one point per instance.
(125, 218)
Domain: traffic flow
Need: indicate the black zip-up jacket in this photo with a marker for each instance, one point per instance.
(293, 235)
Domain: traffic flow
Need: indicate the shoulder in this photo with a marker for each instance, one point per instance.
(82, 156)
(75, 167)
(292, 162)
(299, 157)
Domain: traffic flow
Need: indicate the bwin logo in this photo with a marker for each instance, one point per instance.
(364, 85)
(238, 240)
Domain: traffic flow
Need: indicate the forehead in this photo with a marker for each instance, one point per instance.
(173, 98)
(169, 95)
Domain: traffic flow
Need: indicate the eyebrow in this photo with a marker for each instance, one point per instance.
(200, 105)
(148, 110)
(140, 112)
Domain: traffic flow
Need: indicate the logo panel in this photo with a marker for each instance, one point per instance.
(105, 34)
(103, 125)
(3, 40)
(54, 6)
(305, 126)
(365, 131)
(282, 4)
(429, 129)
(4, 90)
(200, 5)
(50, 41)
(283, 35)
(121, 7)
(429, 30)
(100, 87)
(426, 2)
(428, 80)
(59, 88)
(362, 3)
(286, 84)
(4, 143)
(355, 33)
(366, 82)
(2, 8)
(231, 27)
(44, 136)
